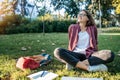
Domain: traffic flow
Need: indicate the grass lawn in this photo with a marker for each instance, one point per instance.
(35, 43)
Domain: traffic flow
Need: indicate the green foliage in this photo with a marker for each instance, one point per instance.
(45, 17)
(36, 26)
(7, 7)
(11, 45)
(70, 6)
(105, 7)
(116, 4)
(43, 11)
(27, 27)
(9, 21)
(16, 24)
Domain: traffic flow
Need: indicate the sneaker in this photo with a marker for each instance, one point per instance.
(100, 67)
(69, 67)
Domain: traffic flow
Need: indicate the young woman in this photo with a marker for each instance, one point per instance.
(82, 49)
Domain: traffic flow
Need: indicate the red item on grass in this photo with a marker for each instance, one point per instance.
(27, 63)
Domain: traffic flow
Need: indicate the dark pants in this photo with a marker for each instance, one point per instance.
(72, 57)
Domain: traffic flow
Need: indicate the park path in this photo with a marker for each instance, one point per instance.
(108, 33)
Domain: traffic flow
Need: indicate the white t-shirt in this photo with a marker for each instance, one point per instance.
(83, 42)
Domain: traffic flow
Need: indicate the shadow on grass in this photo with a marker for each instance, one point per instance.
(114, 67)
(53, 66)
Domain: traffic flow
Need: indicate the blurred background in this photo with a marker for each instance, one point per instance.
(40, 16)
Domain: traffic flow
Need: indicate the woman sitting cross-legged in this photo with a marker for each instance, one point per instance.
(82, 49)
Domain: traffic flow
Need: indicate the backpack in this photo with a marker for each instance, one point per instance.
(28, 63)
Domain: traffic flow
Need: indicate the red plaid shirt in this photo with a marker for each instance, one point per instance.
(73, 31)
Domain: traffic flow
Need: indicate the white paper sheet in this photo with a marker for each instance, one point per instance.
(42, 75)
(78, 78)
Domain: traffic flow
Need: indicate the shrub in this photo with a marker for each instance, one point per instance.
(9, 21)
(36, 26)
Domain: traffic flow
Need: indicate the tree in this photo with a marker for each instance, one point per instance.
(7, 7)
(70, 6)
(40, 9)
(116, 4)
(101, 8)
(23, 4)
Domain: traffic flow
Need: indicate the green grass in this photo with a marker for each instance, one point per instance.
(10, 49)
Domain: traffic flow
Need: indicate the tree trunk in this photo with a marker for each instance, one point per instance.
(32, 10)
(23, 7)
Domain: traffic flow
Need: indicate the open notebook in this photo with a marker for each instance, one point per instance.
(42, 75)
(78, 78)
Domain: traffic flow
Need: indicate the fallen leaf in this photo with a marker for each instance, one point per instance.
(43, 50)
(118, 54)
(38, 40)
(29, 47)
(23, 48)
(53, 44)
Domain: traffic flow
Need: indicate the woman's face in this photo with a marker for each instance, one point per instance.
(82, 17)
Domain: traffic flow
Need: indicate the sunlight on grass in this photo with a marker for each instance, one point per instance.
(109, 34)
(11, 49)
